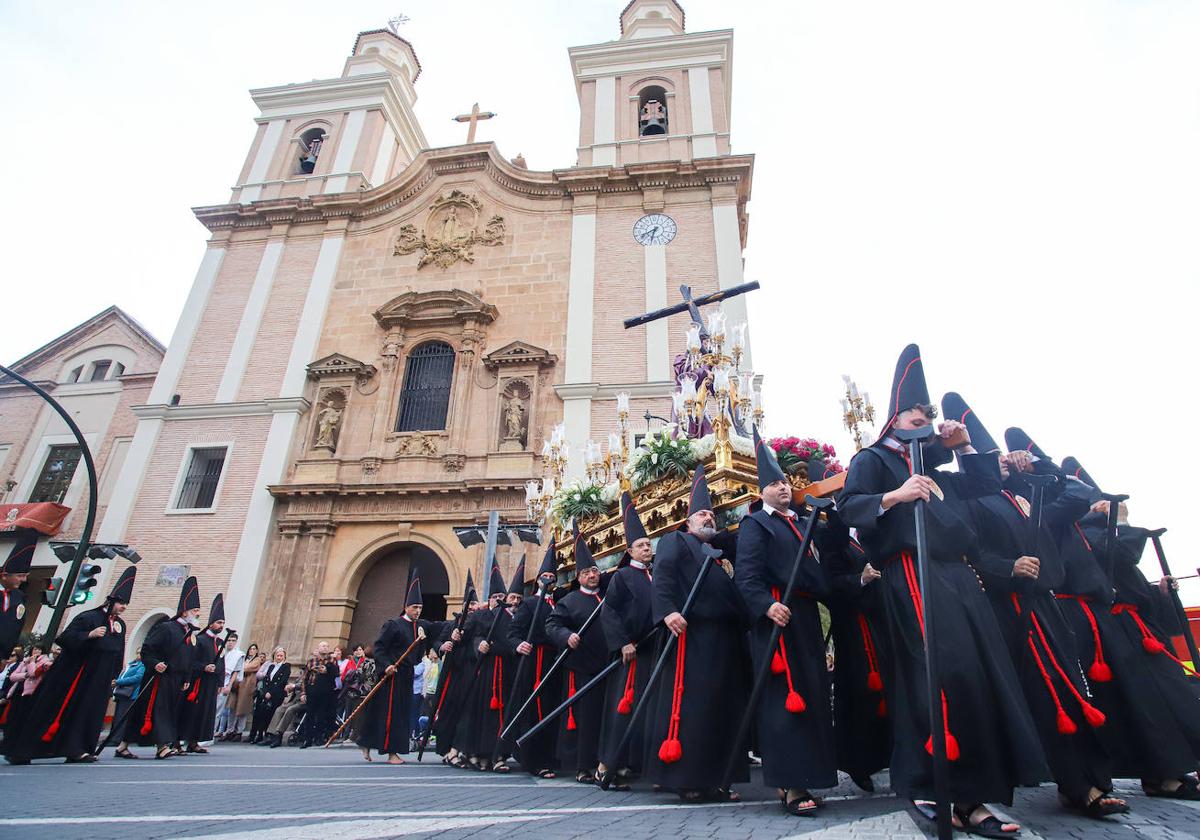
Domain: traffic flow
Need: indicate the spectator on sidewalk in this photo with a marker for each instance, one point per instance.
(285, 717)
(243, 704)
(433, 672)
(359, 682)
(418, 691)
(272, 680)
(234, 661)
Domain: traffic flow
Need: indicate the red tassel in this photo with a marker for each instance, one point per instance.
(1100, 672)
(874, 681)
(625, 707)
(952, 752)
(794, 703)
(1066, 726)
(1094, 716)
(51, 732)
(4, 714)
(1152, 645)
(494, 704)
(881, 710)
(777, 664)
(670, 751)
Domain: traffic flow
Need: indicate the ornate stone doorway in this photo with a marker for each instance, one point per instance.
(381, 594)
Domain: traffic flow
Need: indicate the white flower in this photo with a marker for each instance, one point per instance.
(654, 458)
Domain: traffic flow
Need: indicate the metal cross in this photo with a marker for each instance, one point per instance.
(473, 118)
(394, 23)
(691, 305)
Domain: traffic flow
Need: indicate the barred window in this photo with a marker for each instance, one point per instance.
(56, 475)
(425, 398)
(199, 487)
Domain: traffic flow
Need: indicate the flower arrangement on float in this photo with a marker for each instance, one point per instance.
(794, 451)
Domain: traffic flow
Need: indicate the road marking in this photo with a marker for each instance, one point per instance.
(318, 783)
(382, 815)
(362, 829)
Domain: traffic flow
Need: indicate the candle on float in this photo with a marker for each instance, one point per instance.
(721, 378)
(739, 335)
(693, 338)
(846, 380)
(716, 323)
(614, 443)
(845, 405)
(623, 403)
(687, 387)
(677, 404)
(854, 390)
(548, 487)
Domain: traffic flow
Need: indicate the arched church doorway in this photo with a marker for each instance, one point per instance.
(381, 593)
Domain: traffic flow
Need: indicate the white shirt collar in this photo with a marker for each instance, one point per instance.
(787, 513)
(587, 591)
(637, 565)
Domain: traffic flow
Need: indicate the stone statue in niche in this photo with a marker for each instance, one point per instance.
(514, 416)
(329, 421)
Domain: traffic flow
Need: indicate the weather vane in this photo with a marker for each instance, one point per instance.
(394, 23)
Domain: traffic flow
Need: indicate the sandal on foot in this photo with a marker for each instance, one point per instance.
(691, 796)
(459, 762)
(125, 753)
(722, 795)
(803, 805)
(989, 826)
(86, 758)
(545, 773)
(164, 752)
(501, 767)
(1184, 791)
(585, 777)
(604, 779)
(925, 810)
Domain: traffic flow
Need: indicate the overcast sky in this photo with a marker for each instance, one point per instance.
(1013, 185)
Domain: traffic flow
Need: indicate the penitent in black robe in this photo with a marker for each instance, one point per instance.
(1040, 641)
(12, 617)
(198, 711)
(454, 675)
(711, 697)
(483, 713)
(861, 724)
(539, 752)
(66, 713)
(389, 717)
(154, 719)
(627, 617)
(993, 745)
(579, 728)
(794, 718)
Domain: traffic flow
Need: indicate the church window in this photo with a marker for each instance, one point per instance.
(57, 472)
(425, 398)
(310, 148)
(74, 375)
(199, 487)
(100, 370)
(652, 111)
(118, 369)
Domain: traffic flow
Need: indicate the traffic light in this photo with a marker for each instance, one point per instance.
(84, 583)
(52, 591)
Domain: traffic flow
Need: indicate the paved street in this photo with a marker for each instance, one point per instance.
(239, 791)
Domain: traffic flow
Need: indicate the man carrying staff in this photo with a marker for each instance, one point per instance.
(579, 728)
(702, 693)
(388, 728)
(68, 708)
(13, 574)
(1019, 577)
(537, 755)
(991, 742)
(167, 654)
(627, 618)
(482, 715)
(198, 712)
(795, 725)
(455, 675)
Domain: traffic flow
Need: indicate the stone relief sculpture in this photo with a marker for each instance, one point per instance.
(451, 232)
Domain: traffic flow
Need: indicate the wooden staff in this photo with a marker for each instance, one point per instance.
(443, 683)
(378, 685)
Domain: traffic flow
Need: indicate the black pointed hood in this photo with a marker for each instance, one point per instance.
(908, 386)
(123, 590)
(1015, 438)
(20, 558)
(412, 595)
(217, 611)
(583, 554)
(549, 562)
(496, 579)
(954, 407)
(1071, 466)
(699, 499)
(634, 529)
(769, 470)
(469, 593)
(517, 584)
(189, 596)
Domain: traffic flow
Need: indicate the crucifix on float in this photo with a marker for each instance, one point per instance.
(473, 118)
(691, 305)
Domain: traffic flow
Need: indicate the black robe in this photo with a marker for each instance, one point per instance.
(539, 752)
(155, 716)
(66, 713)
(991, 730)
(1039, 639)
(198, 712)
(483, 715)
(862, 727)
(716, 668)
(455, 674)
(795, 738)
(579, 727)
(390, 713)
(12, 618)
(627, 617)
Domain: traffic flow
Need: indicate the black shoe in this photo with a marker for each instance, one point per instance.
(277, 741)
(305, 744)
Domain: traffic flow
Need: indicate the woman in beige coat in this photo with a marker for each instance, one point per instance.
(244, 705)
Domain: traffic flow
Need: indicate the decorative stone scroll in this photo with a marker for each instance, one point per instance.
(451, 232)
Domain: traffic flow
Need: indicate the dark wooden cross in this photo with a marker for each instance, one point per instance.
(691, 305)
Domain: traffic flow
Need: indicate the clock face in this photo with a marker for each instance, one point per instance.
(655, 229)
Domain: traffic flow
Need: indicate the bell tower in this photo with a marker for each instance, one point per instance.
(656, 93)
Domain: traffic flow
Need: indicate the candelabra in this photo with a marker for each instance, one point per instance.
(555, 452)
(604, 467)
(856, 410)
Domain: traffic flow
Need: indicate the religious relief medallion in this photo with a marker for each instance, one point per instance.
(451, 232)
(418, 444)
(937, 491)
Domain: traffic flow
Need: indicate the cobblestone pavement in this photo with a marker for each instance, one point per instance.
(239, 791)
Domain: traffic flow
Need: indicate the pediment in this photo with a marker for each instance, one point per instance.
(448, 306)
(338, 364)
(519, 353)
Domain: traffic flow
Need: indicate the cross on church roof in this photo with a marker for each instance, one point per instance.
(473, 118)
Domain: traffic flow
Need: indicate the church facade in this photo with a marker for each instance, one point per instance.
(381, 335)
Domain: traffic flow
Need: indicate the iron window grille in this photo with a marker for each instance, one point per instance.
(56, 475)
(425, 397)
(203, 475)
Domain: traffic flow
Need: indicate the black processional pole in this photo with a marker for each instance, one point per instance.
(1180, 612)
(516, 680)
(443, 684)
(760, 678)
(711, 555)
(914, 437)
(64, 597)
(537, 689)
(1110, 533)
